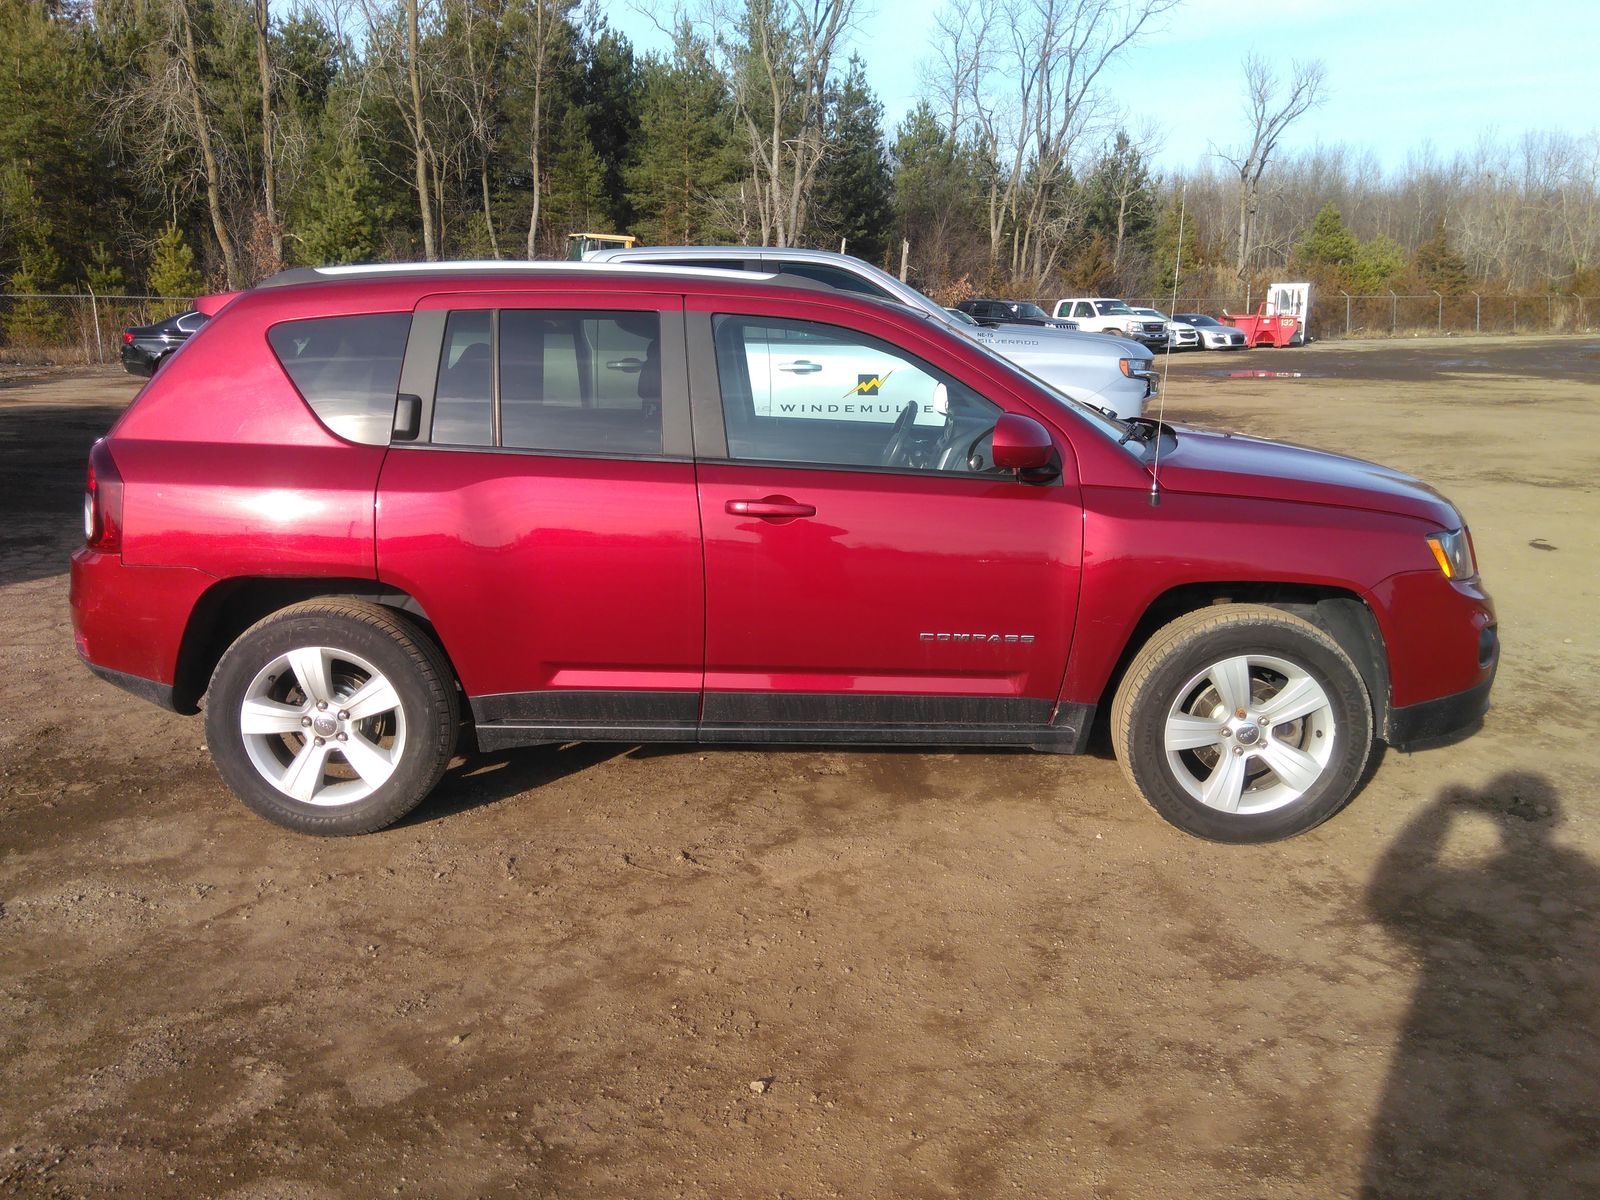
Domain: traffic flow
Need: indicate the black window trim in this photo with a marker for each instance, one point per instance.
(420, 371)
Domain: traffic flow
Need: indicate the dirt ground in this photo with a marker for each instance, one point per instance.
(686, 972)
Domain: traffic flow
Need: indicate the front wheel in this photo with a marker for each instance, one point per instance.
(1243, 723)
(332, 717)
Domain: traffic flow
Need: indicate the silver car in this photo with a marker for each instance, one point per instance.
(1214, 335)
(1112, 374)
(1180, 334)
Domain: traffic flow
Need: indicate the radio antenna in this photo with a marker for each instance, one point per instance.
(1166, 362)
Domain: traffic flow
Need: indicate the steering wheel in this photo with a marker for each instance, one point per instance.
(900, 436)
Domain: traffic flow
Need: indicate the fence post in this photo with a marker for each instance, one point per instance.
(1583, 311)
(94, 315)
(1477, 319)
(1513, 300)
(1394, 312)
(1346, 296)
(1439, 294)
(905, 257)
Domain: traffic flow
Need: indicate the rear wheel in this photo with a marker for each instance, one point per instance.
(332, 717)
(1243, 723)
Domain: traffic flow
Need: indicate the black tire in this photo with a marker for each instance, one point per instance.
(427, 714)
(1168, 678)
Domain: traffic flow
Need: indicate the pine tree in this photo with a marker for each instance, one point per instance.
(172, 270)
(577, 177)
(104, 276)
(1120, 200)
(1328, 244)
(1378, 264)
(684, 148)
(1439, 267)
(1165, 253)
(339, 226)
(36, 320)
(854, 192)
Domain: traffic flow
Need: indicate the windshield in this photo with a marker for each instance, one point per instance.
(1113, 308)
(1031, 310)
(1197, 319)
(957, 315)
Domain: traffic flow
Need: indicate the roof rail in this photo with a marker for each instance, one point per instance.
(299, 275)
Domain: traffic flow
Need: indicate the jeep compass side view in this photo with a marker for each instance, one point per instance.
(367, 515)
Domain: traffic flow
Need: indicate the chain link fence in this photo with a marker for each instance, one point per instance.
(51, 328)
(1339, 314)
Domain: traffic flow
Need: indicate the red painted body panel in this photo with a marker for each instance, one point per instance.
(840, 602)
(1431, 627)
(541, 571)
(231, 510)
(550, 572)
(131, 619)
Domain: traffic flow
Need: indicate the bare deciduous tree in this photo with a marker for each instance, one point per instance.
(1023, 77)
(165, 115)
(1269, 114)
(777, 63)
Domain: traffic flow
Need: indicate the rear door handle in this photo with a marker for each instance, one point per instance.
(800, 366)
(771, 507)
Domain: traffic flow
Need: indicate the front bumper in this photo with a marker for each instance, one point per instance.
(1437, 722)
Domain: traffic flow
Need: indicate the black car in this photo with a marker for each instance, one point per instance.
(1011, 312)
(144, 347)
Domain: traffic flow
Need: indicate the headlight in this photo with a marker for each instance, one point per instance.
(1136, 368)
(1453, 552)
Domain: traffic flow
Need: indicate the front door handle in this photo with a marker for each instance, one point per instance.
(800, 366)
(773, 508)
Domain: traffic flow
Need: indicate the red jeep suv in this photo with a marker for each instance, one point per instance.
(369, 514)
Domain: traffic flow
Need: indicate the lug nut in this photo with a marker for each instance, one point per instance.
(1224, 731)
(1236, 749)
(324, 704)
(344, 715)
(320, 741)
(344, 737)
(1239, 713)
(1261, 721)
(306, 721)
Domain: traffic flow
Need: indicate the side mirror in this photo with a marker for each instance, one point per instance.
(1023, 445)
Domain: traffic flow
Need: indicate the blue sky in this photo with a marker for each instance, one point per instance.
(1400, 72)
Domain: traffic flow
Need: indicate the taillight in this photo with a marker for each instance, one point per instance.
(127, 337)
(102, 502)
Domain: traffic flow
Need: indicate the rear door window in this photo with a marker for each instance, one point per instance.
(561, 380)
(588, 382)
(347, 368)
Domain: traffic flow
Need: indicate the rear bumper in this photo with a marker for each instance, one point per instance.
(1436, 722)
(152, 690)
(128, 622)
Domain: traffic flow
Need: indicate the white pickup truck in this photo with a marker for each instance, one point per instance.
(1102, 315)
(1116, 376)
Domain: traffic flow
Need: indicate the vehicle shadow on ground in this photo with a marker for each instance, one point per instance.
(479, 779)
(44, 452)
(1494, 1089)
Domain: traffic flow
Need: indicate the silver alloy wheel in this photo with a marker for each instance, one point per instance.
(1249, 734)
(323, 726)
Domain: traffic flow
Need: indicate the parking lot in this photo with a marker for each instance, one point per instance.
(667, 971)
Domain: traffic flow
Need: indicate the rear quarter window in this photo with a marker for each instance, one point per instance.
(347, 368)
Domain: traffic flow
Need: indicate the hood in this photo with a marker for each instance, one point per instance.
(1229, 464)
(1047, 337)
